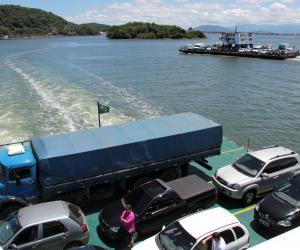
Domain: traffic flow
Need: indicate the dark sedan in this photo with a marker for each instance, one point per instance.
(158, 203)
(280, 209)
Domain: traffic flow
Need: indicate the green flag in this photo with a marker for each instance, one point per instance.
(102, 109)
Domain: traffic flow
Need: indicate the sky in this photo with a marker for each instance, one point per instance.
(184, 13)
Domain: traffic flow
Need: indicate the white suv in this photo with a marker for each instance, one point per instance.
(257, 173)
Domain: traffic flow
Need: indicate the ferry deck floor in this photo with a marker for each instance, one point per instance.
(230, 151)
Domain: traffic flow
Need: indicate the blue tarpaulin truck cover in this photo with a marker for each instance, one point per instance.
(84, 154)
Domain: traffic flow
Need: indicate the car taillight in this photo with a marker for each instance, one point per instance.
(84, 228)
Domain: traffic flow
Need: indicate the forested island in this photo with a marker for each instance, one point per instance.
(23, 22)
(140, 30)
(20, 22)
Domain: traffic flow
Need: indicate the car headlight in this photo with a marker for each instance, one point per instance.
(284, 223)
(114, 229)
(235, 186)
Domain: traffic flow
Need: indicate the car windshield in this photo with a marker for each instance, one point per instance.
(139, 200)
(141, 197)
(9, 228)
(174, 237)
(249, 165)
(290, 192)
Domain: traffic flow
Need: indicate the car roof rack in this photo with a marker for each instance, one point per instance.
(291, 153)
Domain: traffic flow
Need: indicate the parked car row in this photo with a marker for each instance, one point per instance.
(253, 175)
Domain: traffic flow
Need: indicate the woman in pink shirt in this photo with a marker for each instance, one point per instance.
(127, 219)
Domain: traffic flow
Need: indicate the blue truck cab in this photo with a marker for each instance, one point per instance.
(17, 172)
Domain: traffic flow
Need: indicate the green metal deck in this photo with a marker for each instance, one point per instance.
(230, 151)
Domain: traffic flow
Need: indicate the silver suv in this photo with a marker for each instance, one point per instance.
(51, 225)
(257, 173)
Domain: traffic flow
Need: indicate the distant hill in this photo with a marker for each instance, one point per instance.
(281, 29)
(140, 30)
(213, 28)
(17, 21)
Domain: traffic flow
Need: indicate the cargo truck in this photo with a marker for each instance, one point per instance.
(78, 164)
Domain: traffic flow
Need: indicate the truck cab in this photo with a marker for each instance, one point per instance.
(17, 172)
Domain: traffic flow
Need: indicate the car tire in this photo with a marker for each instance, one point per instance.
(73, 244)
(248, 197)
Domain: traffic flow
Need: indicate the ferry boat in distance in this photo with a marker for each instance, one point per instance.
(241, 44)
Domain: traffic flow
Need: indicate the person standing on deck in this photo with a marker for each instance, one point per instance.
(127, 218)
(217, 240)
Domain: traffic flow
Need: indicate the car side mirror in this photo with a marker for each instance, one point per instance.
(163, 227)
(264, 175)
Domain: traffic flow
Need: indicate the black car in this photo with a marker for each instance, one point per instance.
(280, 209)
(157, 203)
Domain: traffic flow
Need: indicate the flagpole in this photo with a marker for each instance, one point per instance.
(101, 110)
(99, 121)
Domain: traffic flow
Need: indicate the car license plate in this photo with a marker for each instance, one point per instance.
(263, 222)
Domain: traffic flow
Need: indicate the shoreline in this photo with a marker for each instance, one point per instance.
(41, 37)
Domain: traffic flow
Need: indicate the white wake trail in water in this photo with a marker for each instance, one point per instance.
(48, 101)
(114, 92)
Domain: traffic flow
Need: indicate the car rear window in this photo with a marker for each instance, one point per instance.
(239, 232)
(76, 214)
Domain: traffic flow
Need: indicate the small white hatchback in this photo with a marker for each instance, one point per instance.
(189, 232)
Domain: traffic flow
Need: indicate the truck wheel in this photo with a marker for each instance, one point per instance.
(8, 210)
(73, 244)
(248, 197)
(169, 174)
(139, 182)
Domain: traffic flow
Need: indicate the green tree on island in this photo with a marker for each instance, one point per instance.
(140, 30)
(17, 21)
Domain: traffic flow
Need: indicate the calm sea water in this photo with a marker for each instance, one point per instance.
(52, 85)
